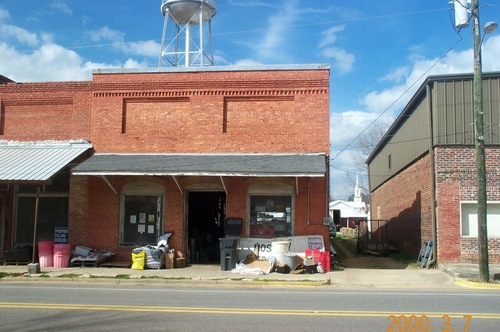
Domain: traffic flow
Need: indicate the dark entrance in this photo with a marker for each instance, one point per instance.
(206, 214)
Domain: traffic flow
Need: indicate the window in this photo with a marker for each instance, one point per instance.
(142, 211)
(52, 213)
(270, 216)
(52, 209)
(469, 219)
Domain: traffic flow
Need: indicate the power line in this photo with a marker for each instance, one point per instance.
(398, 98)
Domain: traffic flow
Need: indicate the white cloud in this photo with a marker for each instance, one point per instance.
(273, 44)
(247, 62)
(148, 48)
(62, 7)
(330, 35)
(4, 14)
(347, 125)
(20, 35)
(116, 39)
(106, 34)
(341, 60)
(50, 62)
(396, 75)
(131, 63)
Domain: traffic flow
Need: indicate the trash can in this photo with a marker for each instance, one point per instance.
(228, 253)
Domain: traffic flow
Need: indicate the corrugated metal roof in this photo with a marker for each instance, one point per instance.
(37, 161)
(295, 165)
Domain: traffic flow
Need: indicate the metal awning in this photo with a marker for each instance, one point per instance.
(259, 165)
(37, 161)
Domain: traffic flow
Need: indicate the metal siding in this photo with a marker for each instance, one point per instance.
(453, 112)
(491, 109)
(36, 162)
(453, 122)
(409, 141)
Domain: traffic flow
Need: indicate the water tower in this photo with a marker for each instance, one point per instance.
(185, 47)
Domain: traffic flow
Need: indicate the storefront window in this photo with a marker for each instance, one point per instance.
(142, 210)
(270, 216)
(52, 213)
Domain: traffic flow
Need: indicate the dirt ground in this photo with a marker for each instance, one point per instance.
(367, 261)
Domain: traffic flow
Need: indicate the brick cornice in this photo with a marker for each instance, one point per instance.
(226, 93)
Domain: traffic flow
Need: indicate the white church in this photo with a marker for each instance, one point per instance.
(351, 212)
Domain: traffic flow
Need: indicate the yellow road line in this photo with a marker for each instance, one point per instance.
(240, 311)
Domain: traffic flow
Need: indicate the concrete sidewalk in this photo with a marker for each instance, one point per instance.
(444, 277)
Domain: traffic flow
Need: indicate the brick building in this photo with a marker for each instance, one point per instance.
(423, 174)
(136, 153)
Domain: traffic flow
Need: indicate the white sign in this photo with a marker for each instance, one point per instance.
(262, 247)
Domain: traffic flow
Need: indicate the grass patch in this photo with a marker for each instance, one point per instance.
(44, 275)
(122, 276)
(403, 257)
(69, 275)
(344, 247)
(152, 277)
(3, 275)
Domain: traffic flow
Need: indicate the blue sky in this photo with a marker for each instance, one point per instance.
(379, 52)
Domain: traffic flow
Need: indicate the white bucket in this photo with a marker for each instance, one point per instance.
(278, 250)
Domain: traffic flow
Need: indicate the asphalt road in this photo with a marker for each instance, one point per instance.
(75, 307)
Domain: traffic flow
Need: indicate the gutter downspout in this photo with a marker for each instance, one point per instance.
(432, 176)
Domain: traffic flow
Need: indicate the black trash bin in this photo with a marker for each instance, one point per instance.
(229, 244)
(228, 253)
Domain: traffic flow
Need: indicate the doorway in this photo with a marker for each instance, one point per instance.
(206, 214)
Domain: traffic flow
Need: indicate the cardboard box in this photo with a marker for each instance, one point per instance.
(180, 262)
(169, 261)
(82, 251)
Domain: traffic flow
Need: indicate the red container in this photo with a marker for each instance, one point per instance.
(45, 253)
(62, 253)
(325, 261)
(315, 253)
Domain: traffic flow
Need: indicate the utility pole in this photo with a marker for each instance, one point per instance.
(482, 231)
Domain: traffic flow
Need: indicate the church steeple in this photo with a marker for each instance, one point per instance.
(357, 191)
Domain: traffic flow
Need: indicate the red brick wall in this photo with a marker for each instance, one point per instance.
(404, 201)
(101, 229)
(282, 111)
(456, 179)
(267, 111)
(45, 111)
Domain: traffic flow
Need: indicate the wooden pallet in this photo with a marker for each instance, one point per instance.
(123, 264)
(15, 262)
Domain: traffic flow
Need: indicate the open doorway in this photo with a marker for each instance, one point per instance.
(206, 214)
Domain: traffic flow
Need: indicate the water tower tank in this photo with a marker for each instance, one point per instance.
(188, 11)
(188, 45)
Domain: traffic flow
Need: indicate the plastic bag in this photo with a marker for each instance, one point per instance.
(138, 260)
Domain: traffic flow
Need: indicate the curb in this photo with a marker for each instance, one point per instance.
(255, 282)
(475, 284)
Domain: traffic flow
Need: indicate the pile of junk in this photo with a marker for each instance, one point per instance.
(281, 261)
(157, 256)
(240, 256)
